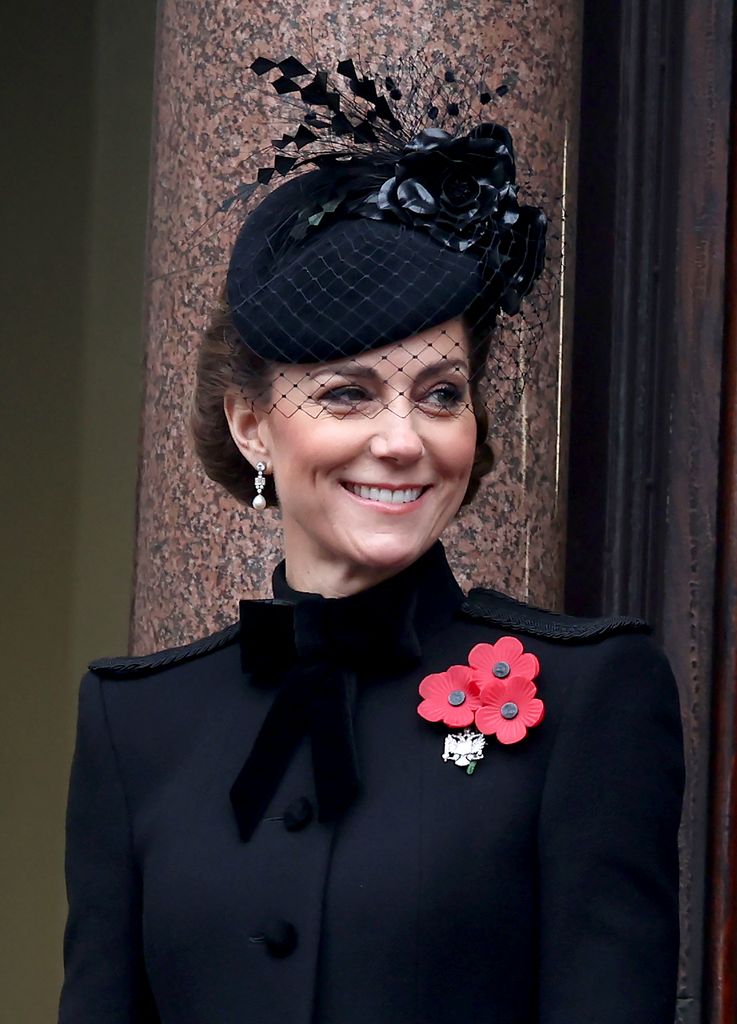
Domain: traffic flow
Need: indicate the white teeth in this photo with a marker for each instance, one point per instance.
(399, 497)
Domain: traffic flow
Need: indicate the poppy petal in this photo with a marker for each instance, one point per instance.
(520, 689)
(435, 685)
(460, 676)
(475, 686)
(481, 657)
(533, 712)
(488, 720)
(431, 710)
(508, 648)
(460, 717)
(526, 665)
(511, 730)
(493, 693)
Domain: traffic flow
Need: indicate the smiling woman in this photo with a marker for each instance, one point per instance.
(270, 823)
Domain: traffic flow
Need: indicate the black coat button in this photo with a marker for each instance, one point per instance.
(298, 814)
(280, 937)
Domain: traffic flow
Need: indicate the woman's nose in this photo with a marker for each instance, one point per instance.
(396, 437)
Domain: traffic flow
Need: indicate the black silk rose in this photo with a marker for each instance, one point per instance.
(450, 187)
(462, 191)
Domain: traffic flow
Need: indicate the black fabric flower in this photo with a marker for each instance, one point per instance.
(450, 187)
(462, 191)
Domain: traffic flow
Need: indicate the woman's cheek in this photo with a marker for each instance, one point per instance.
(457, 452)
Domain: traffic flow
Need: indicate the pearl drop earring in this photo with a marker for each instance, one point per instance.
(259, 501)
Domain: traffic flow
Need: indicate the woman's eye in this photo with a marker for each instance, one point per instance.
(445, 396)
(348, 394)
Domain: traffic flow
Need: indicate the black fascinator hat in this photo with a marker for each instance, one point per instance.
(385, 226)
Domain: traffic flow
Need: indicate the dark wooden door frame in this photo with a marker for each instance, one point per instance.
(721, 980)
(651, 308)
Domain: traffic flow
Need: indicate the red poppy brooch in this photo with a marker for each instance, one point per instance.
(493, 695)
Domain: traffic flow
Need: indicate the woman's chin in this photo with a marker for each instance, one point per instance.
(389, 551)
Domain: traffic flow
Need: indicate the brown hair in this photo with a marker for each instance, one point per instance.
(224, 362)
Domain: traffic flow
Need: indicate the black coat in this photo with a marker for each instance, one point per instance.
(541, 889)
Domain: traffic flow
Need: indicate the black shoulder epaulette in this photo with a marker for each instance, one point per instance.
(501, 610)
(119, 668)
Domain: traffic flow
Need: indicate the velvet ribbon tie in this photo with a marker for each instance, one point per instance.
(312, 650)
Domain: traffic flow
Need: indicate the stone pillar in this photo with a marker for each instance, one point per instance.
(198, 551)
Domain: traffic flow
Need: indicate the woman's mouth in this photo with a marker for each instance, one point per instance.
(386, 495)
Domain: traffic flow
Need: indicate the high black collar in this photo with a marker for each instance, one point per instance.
(388, 620)
(428, 580)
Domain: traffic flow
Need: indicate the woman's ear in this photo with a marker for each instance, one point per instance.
(247, 429)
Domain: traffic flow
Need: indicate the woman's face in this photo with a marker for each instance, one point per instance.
(371, 455)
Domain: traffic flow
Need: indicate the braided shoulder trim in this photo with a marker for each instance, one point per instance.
(117, 668)
(505, 611)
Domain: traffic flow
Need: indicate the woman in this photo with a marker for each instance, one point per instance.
(372, 798)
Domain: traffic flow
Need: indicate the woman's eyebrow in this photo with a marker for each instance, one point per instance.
(348, 370)
(441, 366)
(360, 370)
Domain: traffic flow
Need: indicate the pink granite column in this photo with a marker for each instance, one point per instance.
(198, 550)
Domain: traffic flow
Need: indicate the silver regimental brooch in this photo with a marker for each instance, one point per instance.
(464, 748)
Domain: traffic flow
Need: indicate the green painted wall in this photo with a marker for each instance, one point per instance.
(77, 98)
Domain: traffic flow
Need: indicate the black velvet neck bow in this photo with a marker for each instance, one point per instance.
(312, 650)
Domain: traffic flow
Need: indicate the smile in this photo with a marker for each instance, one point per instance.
(387, 495)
